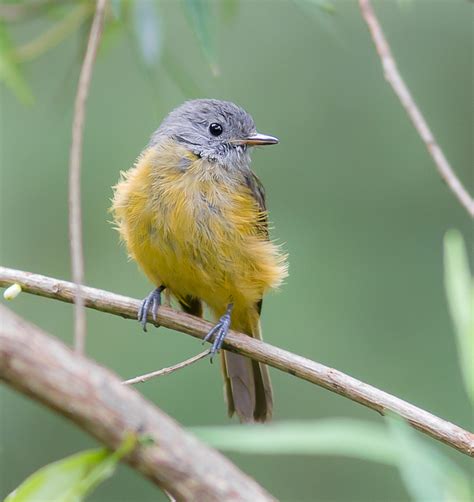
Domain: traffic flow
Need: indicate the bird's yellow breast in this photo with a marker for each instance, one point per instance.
(193, 227)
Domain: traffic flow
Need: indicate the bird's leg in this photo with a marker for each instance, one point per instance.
(220, 331)
(150, 303)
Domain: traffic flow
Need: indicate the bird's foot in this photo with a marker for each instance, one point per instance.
(150, 304)
(219, 331)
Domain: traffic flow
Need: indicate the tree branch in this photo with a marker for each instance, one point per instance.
(167, 371)
(93, 397)
(393, 77)
(75, 213)
(298, 366)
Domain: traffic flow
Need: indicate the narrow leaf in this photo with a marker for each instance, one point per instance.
(147, 30)
(324, 5)
(460, 294)
(10, 73)
(426, 473)
(71, 479)
(200, 15)
(350, 438)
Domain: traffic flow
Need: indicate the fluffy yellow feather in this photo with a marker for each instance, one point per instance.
(195, 233)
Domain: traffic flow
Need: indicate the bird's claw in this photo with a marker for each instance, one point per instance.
(150, 304)
(219, 331)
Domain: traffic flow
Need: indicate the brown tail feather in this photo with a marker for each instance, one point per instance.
(247, 383)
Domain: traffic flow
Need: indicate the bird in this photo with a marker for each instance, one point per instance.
(193, 216)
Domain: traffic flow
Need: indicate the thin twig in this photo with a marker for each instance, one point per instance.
(392, 75)
(75, 212)
(42, 367)
(324, 376)
(167, 371)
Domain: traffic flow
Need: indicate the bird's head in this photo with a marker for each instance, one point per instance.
(218, 131)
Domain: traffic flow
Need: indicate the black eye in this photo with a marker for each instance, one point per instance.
(215, 129)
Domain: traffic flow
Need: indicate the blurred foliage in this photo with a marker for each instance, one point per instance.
(140, 18)
(147, 30)
(428, 475)
(73, 478)
(10, 73)
(200, 16)
(460, 293)
(362, 217)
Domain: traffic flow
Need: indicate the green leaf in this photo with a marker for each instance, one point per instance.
(199, 15)
(351, 438)
(10, 73)
(325, 5)
(71, 479)
(68, 23)
(147, 30)
(460, 294)
(426, 473)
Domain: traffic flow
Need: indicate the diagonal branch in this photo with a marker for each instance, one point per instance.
(392, 75)
(42, 367)
(167, 371)
(328, 378)
(75, 213)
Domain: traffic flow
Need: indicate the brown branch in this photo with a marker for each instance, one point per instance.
(167, 371)
(393, 77)
(75, 213)
(298, 366)
(93, 397)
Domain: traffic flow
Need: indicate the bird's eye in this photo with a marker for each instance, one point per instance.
(215, 129)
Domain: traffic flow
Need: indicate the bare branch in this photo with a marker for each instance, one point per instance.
(329, 378)
(93, 397)
(393, 77)
(167, 371)
(75, 213)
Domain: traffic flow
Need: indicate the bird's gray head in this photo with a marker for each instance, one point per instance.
(218, 131)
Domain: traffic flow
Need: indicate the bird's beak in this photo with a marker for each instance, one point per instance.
(259, 139)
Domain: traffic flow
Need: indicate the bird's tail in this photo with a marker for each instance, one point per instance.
(247, 385)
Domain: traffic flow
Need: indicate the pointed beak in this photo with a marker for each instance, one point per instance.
(260, 139)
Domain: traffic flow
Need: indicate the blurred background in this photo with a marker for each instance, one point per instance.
(353, 196)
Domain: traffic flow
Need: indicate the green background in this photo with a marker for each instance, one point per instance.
(353, 195)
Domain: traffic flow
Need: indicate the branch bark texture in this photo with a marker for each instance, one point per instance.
(328, 378)
(394, 78)
(93, 397)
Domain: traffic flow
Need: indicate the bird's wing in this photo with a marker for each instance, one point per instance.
(258, 193)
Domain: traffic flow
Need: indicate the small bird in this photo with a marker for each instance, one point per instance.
(193, 216)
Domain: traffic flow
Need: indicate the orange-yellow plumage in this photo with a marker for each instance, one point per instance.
(194, 233)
